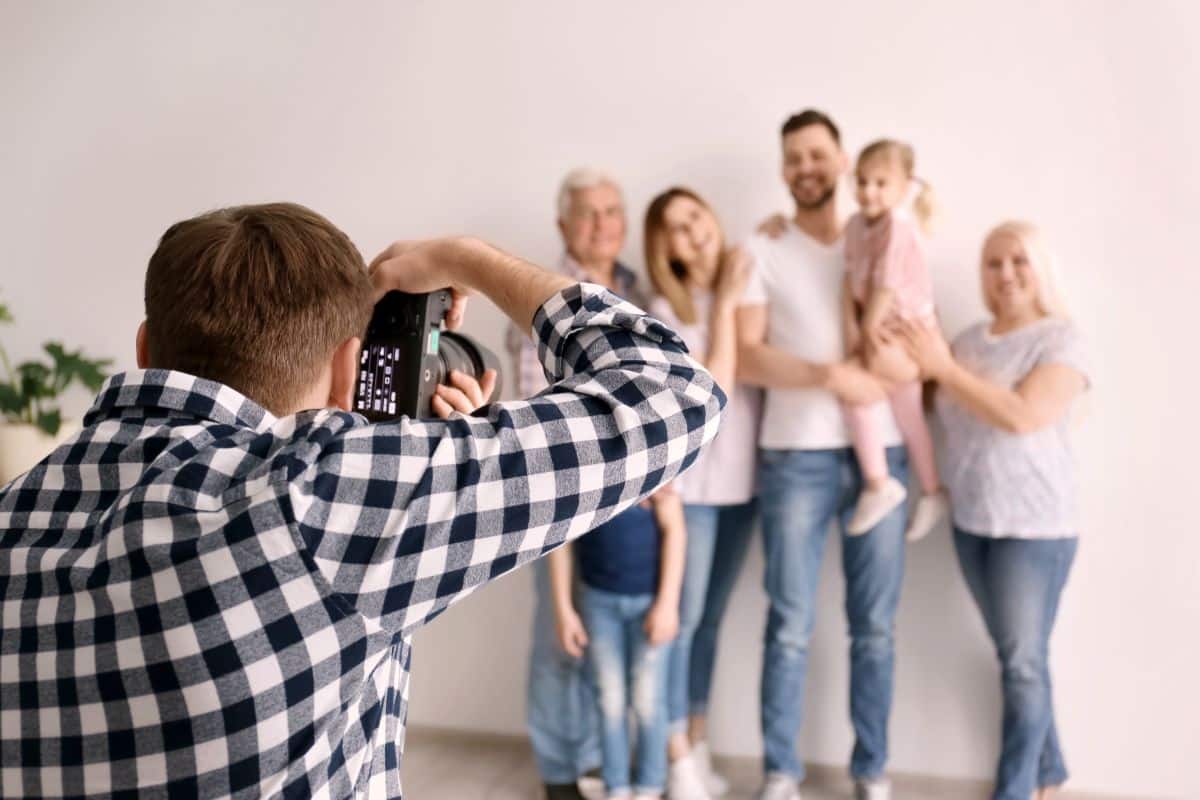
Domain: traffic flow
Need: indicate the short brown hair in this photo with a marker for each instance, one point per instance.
(255, 297)
(810, 116)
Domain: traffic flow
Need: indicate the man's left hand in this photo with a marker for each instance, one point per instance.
(464, 395)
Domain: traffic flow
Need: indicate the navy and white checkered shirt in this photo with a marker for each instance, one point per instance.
(199, 599)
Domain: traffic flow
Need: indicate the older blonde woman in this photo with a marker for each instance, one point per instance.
(1006, 389)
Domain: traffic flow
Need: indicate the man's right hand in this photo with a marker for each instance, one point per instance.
(422, 266)
(466, 265)
(853, 385)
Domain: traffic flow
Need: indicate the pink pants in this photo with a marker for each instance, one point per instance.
(910, 418)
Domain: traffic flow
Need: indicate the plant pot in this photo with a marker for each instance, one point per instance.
(22, 446)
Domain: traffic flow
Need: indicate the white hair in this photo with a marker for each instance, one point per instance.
(578, 179)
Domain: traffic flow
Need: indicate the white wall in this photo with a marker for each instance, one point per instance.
(405, 120)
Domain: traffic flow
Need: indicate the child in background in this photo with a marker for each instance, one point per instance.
(887, 279)
(631, 570)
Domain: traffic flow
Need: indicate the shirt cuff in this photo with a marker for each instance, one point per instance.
(588, 306)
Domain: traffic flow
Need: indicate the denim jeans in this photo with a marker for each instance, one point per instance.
(717, 540)
(1017, 584)
(564, 728)
(628, 673)
(802, 492)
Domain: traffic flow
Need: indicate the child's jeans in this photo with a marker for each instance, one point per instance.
(629, 673)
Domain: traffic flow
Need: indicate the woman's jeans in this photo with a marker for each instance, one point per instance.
(717, 540)
(629, 673)
(1017, 584)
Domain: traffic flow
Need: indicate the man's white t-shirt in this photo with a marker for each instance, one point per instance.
(799, 280)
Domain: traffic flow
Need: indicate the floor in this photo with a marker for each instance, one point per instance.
(451, 765)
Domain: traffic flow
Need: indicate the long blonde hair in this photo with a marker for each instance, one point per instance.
(668, 275)
(1041, 261)
(924, 205)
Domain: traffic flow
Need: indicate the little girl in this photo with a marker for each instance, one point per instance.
(887, 279)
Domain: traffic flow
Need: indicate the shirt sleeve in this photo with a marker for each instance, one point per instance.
(755, 293)
(1064, 346)
(404, 518)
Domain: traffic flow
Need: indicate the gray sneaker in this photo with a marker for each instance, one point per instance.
(779, 786)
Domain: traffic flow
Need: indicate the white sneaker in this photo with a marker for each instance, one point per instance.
(647, 796)
(686, 781)
(591, 787)
(875, 504)
(929, 511)
(875, 789)
(715, 783)
(779, 787)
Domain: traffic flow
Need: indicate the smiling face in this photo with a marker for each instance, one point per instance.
(693, 236)
(880, 182)
(812, 163)
(1010, 282)
(593, 228)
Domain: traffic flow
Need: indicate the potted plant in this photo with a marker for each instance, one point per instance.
(31, 420)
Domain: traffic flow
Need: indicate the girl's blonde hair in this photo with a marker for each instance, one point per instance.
(924, 204)
(1041, 261)
(668, 274)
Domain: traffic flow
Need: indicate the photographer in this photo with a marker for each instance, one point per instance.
(211, 589)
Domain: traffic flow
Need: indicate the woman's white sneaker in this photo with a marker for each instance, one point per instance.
(686, 780)
(875, 504)
(779, 786)
(716, 784)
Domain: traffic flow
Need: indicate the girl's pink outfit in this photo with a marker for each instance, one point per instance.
(887, 253)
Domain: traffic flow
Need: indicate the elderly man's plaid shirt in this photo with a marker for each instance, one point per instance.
(200, 600)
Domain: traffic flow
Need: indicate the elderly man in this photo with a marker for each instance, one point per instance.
(563, 724)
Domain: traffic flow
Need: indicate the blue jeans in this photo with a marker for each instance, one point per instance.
(1017, 584)
(628, 672)
(802, 492)
(561, 704)
(717, 539)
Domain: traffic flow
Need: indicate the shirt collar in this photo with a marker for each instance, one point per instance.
(178, 392)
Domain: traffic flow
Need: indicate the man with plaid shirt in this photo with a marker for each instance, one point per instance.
(211, 591)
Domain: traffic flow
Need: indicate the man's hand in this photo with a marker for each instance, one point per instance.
(853, 385)
(662, 622)
(423, 266)
(572, 636)
(465, 395)
(773, 226)
(466, 265)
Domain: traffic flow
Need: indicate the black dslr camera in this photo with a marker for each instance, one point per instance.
(406, 354)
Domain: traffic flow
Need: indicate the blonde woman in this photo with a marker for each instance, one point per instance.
(699, 282)
(1006, 389)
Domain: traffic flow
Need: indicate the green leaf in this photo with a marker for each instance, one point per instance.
(35, 380)
(10, 399)
(73, 366)
(93, 374)
(5, 314)
(50, 421)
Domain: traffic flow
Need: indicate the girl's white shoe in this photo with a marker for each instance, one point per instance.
(930, 510)
(875, 504)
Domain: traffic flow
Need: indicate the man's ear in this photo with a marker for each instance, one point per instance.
(142, 347)
(344, 374)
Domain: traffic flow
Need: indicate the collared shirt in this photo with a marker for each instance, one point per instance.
(529, 377)
(199, 599)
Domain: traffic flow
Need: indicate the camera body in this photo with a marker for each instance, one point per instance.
(406, 354)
